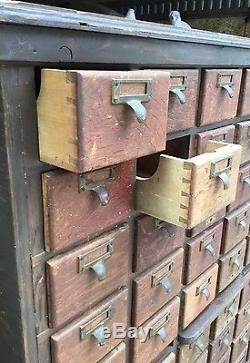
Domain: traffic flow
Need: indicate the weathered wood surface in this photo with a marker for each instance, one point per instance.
(224, 134)
(242, 137)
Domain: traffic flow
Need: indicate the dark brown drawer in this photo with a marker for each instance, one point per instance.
(163, 329)
(198, 295)
(236, 227)
(242, 319)
(224, 134)
(231, 265)
(155, 287)
(243, 188)
(244, 107)
(226, 357)
(155, 240)
(220, 94)
(240, 344)
(247, 257)
(88, 120)
(242, 137)
(202, 252)
(219, 346)
(117, 355)
(84, 276)
(84, 336)
(70, 215)
(183, 99)
(246, 290)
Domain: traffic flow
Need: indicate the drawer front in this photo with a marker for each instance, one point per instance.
(220, 94)
(243, 187)
(154, 241)
(247, 257)
(224, 134)
(236, 227)
(202, 252)
(244, 107)
(243, 357)
(155, 287)
(225, 317)
(84, 336)
(202, 358)
(240, 344)
(198, 295)
(192, 352)
(242, 137)
(117, 355)
(163, 329)
(71, 215)
(101, 118)
(242, 319)
(209, 222)
(220, 345)
(231, 265)
(226, 357)
(246, 290)
(93, 273)
(183, 99)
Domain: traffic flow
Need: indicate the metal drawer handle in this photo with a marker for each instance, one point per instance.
(225, 341)
(162, 334)
(235, 262)
(225, 81)
(206, 293)
(162, 277)
(199, 345)
(221, 174)
(179, 88)
(244, 340)
(246, 180)
(100, 269)
(100, 190)
(98, 335)
(168, 227)
(247, 311)
(158, 329)
(166, 283)
(179, 94)
(243, 224)
(229, 90)
(206, 244)
(210, 249)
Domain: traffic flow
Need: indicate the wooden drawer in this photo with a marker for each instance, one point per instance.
(84, 336)
(171, 358)
(224, 134)
(244, 107)
(198, 295)
(247, 257)
(227, 315)
(242, 137)
(91, 272)
(202, 252)
(220, 94)
(226, 357)
(236, 227)
(188, 353)
(155, 287)
(243, 187)
(88, 120)
(246, 290)
(218, 216)
(155, 240)
(242, 358)
(240, 344)
(219, 346)
(187, 192)
(163, 329)
(117, 355)
(72, 214)
(231, 265)
(242, 319)
(202, 358)
(183, 99)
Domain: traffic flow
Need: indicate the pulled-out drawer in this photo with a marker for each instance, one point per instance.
(117, 355)
(243, 188)
(202, 252)
(240, 344)
(162, 329)
(242, 137)
(231, 265)
(236, 227)
(155, 287)
(183, 99)
(154, 240)
(198, 295)
(247, 257)
(220, 90)
(219, 346)
(78, 206)
(188, 353)
(86, 336)
(223, 134)
(84, 276)
(225, 317)
(187, 192)
(242, 319)
(88, 120)
(244, 107)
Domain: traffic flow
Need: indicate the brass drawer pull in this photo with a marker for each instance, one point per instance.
(206, 245)
(98, 264)
(224, 339)
(100, 190)
(244, 340)
(203, 289)
(235, 262)
(225, 81)
(246, 179)
(222, 174)
(163, 278)
(229, 310)
(158, 329)
(168, 227)
(199, 345)
(133, 101)
(177, 89)
(247, 310)
(241, 220)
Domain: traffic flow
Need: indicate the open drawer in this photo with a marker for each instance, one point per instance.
(186, 192)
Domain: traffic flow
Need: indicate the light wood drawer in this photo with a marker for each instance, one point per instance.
(240, 344)
(220, 90)
(155, 287)
(236, 227)
(188, 353)
(77, 207)
(209, 222)
(84, 276)
(117, 355)
(242, 319)
(243, 187)
(187, 192)
(183, 99)
(231, 265)
(154, 240)
(84, 336)
(202, 252)
(91, 119)
(163, 329)
(242, 137)
(198, 295)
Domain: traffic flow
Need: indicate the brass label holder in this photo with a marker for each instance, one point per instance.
(162, 277)
(203, 289)
(241, 220)
(158, 329)
(206, 244)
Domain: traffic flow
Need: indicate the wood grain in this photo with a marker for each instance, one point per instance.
(243, 189)
(242, 137)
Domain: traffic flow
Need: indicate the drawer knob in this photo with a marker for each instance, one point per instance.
(179, 94)
(199, 345)
(98, 335)
(162, 334)
(100, 269)
(209, 248)
(166, 283)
